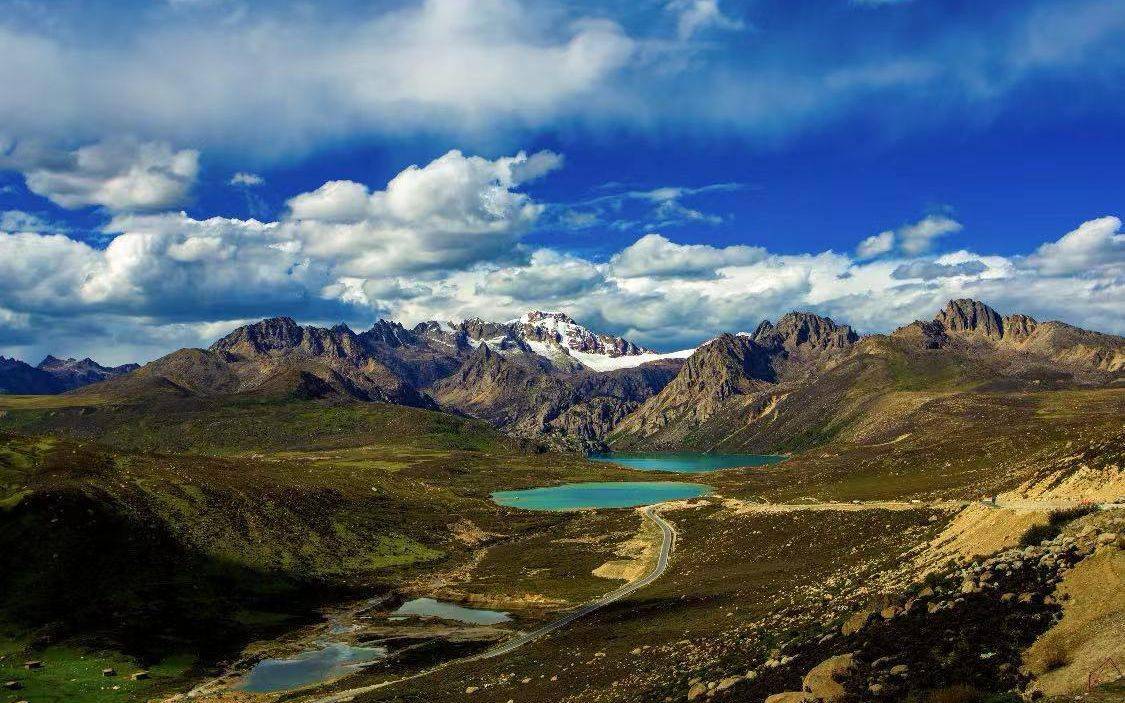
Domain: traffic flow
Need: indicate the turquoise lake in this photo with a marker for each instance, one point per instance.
(615, 494)
(686, 462)
(428, 607)
(332, 660)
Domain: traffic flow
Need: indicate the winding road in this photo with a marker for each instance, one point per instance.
(667, 543)
(669, 539)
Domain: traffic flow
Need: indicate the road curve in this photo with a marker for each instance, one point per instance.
(669, 539)
(666, 544)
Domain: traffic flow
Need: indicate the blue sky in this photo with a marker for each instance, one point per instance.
(688, 166)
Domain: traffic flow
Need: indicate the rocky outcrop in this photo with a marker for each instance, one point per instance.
(1052, 342)
(802, 332)
(971, 317)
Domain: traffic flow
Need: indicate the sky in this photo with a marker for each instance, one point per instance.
(662, 169)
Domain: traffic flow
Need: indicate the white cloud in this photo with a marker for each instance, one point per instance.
(653, 209)
(694, 16)
(244, 178)
(549, 275)
(121, 175)
(1094, 245)
(919, 237)
(20, 221)
(443, 241)
(912, 239)
(451, 213)
(654, 255)
(875, 245)
(446, 65)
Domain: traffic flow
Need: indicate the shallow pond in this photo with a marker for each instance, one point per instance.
(307, 668)
(428, 607)
(685, 462)
(616, 494)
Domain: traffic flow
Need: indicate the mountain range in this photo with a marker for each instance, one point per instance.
(54, 375)
(786, 385)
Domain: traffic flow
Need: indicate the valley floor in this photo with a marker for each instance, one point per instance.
(764, 577)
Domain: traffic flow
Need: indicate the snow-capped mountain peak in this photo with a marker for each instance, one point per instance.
(554, 336)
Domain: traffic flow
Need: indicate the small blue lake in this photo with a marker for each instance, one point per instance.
(615, 494)
(428, 607)
(270, 675)
(686, 462)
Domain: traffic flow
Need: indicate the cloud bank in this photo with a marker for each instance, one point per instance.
(445, 240)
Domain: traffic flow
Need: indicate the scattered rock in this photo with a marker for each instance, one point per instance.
(824, 680)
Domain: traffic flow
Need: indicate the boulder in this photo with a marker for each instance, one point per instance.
(890, 612)
(697, 690)
(729, 682)
(790, 697)
(824, 680)
(856, 622)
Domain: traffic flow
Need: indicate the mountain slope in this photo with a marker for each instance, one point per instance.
(731, 378)
(274, 357)
(822, 381)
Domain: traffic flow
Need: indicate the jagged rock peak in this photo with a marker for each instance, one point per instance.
(272, 333)
(804, 330)
(969, 316)
(390, 333)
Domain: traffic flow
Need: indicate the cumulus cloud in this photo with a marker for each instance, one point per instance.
(875, 245)
(453, 212)
(654, 255)
(1096, 244)
(121, 175)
